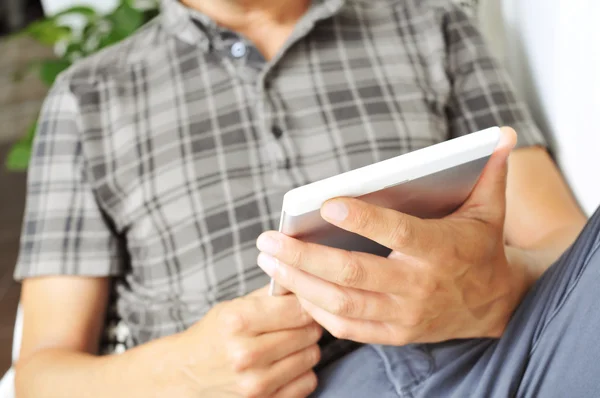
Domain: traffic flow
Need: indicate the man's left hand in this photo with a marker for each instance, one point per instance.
(445, 279)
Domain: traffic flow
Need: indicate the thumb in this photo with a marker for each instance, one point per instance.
(487, 202)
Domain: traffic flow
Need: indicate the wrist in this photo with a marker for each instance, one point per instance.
(523, 266)
(175, 379)
(515, 281)
(179, 380)
(157, 366)
(537, 257)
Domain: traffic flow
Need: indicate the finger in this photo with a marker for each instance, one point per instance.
(281, 373)
(390, 228)
(332, 298)
(263, 314)
(301, 387)
(271, 347)
(344, 268)
(487, 202)
(361, 331)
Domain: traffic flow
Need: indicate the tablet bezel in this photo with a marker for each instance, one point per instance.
(394, 171)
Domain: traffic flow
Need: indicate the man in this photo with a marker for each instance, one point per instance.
(159, 162)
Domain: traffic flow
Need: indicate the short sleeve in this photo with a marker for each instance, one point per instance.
(64, 230)
(482, 95)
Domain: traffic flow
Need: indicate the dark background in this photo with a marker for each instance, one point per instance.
(12, 188)
(19, 105)
(26, 11)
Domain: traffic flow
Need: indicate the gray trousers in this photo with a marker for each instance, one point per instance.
(551, 347)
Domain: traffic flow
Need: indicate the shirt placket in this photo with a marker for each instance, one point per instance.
(247, 65)
(281, 145)
(251, 70)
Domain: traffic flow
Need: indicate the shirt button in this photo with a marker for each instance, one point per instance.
(238, 49)
(277, 132)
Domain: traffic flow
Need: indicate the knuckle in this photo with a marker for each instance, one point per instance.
(343, 305)
(296, 259)
(414, 317)
(241, 357)
(426, 288)
(231, 318)
(431, 326)
(316, 333)
(361, 220)
(312, 381)
(341, 331)
(253, 386)
(315, 355)
(402, 338)
(401, 232)
(310, 333)
(352, 272)
(292, 307)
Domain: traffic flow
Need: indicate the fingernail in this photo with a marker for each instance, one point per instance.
(267, 263)
(268, 244)
(507, 139)
(336, 211)
(504, 140)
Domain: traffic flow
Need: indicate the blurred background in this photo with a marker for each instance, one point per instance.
(38, 40)
(549, 47)
(20, 101)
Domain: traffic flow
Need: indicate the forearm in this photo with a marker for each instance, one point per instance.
(532, 261)
(525, 266)
(149, 370)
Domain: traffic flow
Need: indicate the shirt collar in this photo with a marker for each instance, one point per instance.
(178, 19)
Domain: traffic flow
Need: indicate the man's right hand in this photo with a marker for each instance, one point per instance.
(255, 346)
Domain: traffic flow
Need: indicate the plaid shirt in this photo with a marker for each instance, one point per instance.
(159, 161)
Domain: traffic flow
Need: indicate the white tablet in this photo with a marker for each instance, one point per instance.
(428, 183)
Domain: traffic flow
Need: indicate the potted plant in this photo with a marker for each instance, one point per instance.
(76, 33)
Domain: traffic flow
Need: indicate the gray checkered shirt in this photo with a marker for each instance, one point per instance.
(159, 161)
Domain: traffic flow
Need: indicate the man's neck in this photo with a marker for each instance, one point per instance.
(244, 15)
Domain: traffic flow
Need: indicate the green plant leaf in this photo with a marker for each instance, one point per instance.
(75, 51)
(51, 69)
(47, 31)
(73, 47)
(125, 21)
(110, 39)
(18, 157)
(99, 31)
(20, 153)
